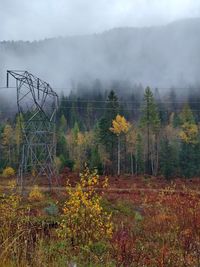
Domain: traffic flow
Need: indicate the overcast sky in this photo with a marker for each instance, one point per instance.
(39, 19)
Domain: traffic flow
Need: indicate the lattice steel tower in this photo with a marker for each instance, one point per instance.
(37, 104)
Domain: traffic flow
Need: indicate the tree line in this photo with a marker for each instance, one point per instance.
(120, 132)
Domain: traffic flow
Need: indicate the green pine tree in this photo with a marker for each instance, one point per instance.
(106, 137)
(150, 123)
(139, 161)
(168, 159)
(189, 135)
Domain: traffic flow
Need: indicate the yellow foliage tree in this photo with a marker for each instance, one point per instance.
(78, 144)
(35, 194)
(189, 133)
(84, 220)
(189, 129)
(119, 126)
(8, 172)
(18, 132)
(7, 141)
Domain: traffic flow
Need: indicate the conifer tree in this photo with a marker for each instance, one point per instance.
(139, 159)
(168, 158)
(106, 137)
(150, 122)
(131, 145)
(63, 124)
(189, 135)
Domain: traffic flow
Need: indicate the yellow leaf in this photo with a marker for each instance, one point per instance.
(120, 125)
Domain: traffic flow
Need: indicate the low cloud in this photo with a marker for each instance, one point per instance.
(39, 19)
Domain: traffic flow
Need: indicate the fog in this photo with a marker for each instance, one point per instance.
(70, 42)
(39, 19)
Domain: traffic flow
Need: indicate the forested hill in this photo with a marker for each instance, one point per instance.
(157, 56)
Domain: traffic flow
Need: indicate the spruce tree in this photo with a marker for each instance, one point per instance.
(106, 137)
(150, 123)
(168, 159)
(139, 159)
(189, 135)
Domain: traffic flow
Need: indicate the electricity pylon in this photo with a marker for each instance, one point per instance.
(37, 105)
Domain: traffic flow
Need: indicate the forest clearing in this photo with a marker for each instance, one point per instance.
(152, 223)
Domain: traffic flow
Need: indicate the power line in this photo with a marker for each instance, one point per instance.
(129, 89)
(4, 87)
(105, 101)
(153, 88)
(123, 109)
(140, 103)
(125, 102)
(106, 108)
(119, 101)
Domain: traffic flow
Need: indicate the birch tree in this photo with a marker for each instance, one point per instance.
(119, 126)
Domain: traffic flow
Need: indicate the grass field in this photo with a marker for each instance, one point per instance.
(154, 223)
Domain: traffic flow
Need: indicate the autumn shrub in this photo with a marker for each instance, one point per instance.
(169, 231)
(164, 231)
(124, 246)
(156, 228)
(14, 227)
(8, 172)
(35, 194)
(84, 220)
(8, 209)
(23, 236)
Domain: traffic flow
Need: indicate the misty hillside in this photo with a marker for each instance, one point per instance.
(161, 56)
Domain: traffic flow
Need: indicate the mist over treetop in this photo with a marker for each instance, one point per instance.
(162, 56)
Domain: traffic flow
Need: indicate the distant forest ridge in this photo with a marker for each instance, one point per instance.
(162, 56)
